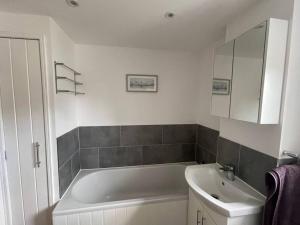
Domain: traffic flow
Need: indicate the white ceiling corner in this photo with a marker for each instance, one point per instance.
(138, 23)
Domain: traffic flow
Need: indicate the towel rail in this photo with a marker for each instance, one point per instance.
(75, 74)
(290, 154)
(67, 67)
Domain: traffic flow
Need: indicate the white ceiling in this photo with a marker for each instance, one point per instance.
(138, 23)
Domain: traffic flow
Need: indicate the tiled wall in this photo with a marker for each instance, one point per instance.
(111, 146)
(136, 145)
(250, 164)
(68, 158)
(206, 145)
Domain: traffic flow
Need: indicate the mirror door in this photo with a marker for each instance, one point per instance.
(247, 74)
(221, 87)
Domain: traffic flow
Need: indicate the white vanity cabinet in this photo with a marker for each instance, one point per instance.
(201, 214)
(195, 210)
(207, 220)
(248, 74)
(197, 215)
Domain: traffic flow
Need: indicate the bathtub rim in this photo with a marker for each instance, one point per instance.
(79, 207)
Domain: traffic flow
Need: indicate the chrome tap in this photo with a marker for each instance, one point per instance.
(230, 171)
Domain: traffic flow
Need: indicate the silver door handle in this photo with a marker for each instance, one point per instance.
(37, 154)
(198, 221)
(203, 219)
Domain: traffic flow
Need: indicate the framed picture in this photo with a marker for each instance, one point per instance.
(221, 87)
(141, 83)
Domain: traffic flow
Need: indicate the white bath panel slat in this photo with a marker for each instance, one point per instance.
(163, 213)
(97, 218)
(151, 214)
(157, 214)
(85, 219)
(109, 217)
(60, 220)
(121, 216)
(173, 213)
(132, 215)
(73, 219)
(176, 213)
(139, 215)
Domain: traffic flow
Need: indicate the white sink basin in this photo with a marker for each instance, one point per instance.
(236, 198)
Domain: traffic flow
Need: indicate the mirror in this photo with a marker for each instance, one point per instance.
(247, 74)
(222, 80)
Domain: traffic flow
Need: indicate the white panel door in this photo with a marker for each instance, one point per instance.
(23, 130)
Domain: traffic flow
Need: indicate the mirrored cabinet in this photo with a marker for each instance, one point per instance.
(222, 75)
(248, 74)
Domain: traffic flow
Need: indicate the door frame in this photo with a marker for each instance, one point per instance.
(5, 201)
(48, 108)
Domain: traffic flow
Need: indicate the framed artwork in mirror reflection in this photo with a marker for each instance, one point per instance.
(221, 86)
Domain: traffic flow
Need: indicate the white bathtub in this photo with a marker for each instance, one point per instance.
(142, 195)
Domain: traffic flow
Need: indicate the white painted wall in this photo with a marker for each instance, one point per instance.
(264, 138)
(291, 116)
(106, 101)
(65, 104)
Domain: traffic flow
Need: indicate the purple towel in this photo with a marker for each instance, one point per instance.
(283, 196)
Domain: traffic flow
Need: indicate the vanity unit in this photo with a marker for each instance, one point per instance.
(248, 74)
(216, 200)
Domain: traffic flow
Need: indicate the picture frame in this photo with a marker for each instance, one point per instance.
(141, 83)
(221, 86)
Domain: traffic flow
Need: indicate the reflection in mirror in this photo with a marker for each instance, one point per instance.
(247, 74)
(222, 72)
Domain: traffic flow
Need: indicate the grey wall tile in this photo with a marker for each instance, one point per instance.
(102, 136)
(67, 145)
(65, 177)
(141, 135)
(207, 138)
(75, 164)
(187, 153)
(153, 144)
(120, 156)
(156, 154)
(171, 153)
(134, 156)
(253, 167)
(228, 152)
(176, 134)
(112, 157)
(89, 158)
(203, 156)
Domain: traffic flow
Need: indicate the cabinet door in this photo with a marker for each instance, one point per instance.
(248, 64)
(195, 211)
(222, 76)
(207, 220)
